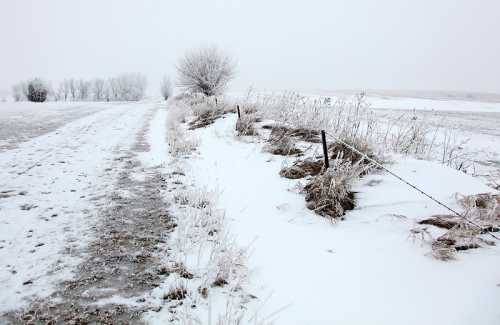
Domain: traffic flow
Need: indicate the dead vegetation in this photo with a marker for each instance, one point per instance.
(177, 292)
(205, 118)
(329, 193)
(280, 131)
(338, 150)
(245, 126)
(206, 110)
(283, 147)
(302, 168)
(441, 221)
(459, 238)
(483, 210)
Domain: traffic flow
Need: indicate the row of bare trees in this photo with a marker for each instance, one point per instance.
(125, 87)
(205, 70)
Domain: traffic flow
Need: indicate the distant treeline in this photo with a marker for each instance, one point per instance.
(125, 87)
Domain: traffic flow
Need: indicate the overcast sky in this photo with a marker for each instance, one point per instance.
(278, 44)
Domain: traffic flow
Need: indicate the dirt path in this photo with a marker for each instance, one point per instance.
(126, 234)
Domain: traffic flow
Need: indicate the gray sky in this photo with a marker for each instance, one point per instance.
(278, 44)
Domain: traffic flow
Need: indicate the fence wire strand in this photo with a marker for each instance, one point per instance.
(365, 156)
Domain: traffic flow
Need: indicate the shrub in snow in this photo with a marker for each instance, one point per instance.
(37, 90)
(206, 71)
(166, 88)
(329, 194)
(245, 125)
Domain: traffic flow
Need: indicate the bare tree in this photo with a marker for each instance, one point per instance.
(73, 89)
(98, 89)
(83, 88)
(20, 91)
(166, 87)
(205, 70)
(128, 87)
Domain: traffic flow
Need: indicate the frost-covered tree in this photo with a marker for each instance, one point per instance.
(73, 89)
(128, 87)
(98, 89)
(166, 87)
(37, 90)
(20, 91)
(205, 70)
(83, 89)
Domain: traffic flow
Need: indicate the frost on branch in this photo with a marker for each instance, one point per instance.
(206, 71)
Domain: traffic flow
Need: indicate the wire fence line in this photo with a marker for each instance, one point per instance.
(365, 156)
(378, 164)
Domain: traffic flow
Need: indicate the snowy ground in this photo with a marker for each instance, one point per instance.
(475, 126)
(21, 121)
(85, 217)
(366, 269)
(51, 185)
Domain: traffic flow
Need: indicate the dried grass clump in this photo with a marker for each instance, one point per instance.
(441, 221)
(179, 142)
(338, 150)
(246, 125)
(482, 209)
(459, 238)
(302, 168)
(304, 134)
(176, 293)
(248, 108)
(205, 114)
(329, 194)
(283, 147)
(180, 269)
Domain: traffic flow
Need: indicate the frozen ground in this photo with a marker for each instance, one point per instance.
(365, 270)
(472, 125)
(51, 185)
(21, 121)
(77, 209)
(85, 223)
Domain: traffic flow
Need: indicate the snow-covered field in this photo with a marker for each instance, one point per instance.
(70, 172)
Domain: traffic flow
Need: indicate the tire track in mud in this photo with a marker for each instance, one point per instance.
(122, 264)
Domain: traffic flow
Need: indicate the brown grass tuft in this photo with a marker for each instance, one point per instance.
(302, 168)
(329, 193)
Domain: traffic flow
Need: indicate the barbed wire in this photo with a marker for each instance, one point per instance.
(365, 156)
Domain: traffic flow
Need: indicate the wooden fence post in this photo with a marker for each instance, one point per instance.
(325, 149)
